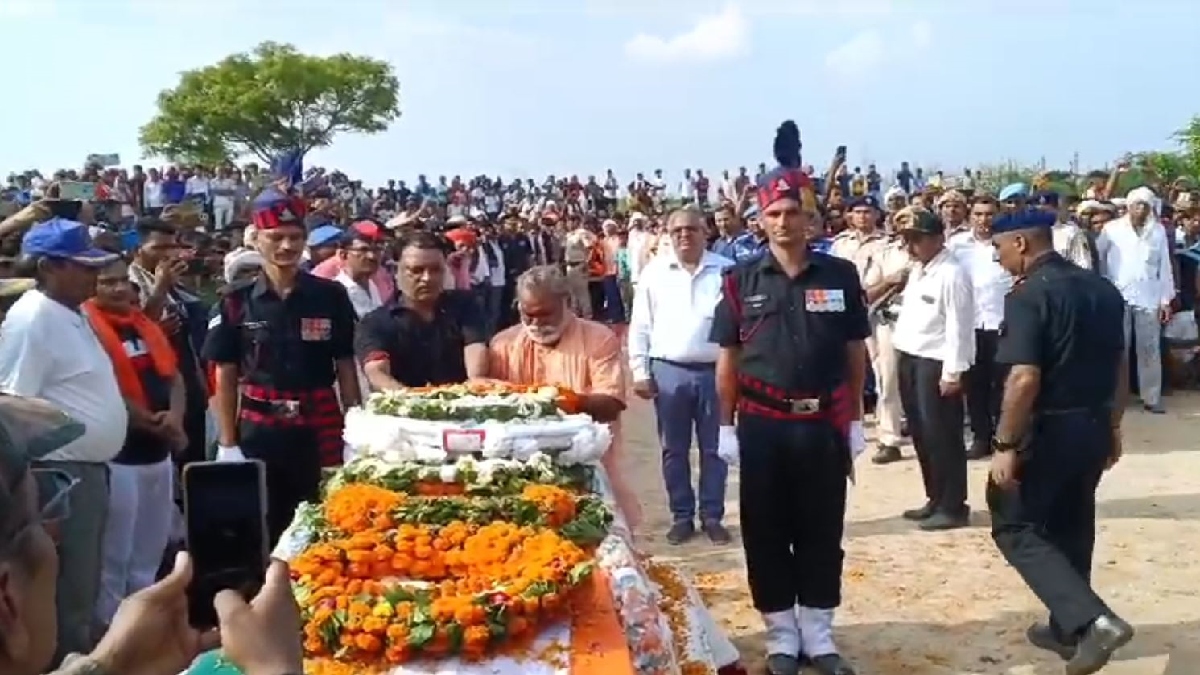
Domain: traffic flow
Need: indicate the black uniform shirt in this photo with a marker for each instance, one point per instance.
(793, 332)
(422, 353)
(286, 343)
(1068, 322)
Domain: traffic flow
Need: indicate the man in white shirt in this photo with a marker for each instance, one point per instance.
(638, 244)
(1136, 256)
(989, 284)
(674, 364)
(1070, 241)
(224, 192)
(48, 350)
(687, 187)
(359, 251)
(152, 192)
(935, 335)
(882, 266)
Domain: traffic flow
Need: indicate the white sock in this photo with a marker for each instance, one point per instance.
(816, 631)
(783, 633)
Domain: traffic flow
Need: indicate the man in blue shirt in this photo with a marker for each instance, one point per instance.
(173, 187)
(735, 242)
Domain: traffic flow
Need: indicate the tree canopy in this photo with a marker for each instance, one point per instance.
(272, 100)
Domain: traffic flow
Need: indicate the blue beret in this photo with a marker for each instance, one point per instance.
(864, 200)
(324, 235)
(1025, 219)
(1046, 198)
(1013, 191)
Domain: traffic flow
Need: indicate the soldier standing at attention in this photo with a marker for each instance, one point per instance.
(790, 326)
(882, 265)
(279, 342)
(1059, 430)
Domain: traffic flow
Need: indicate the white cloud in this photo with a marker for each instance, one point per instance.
(860, 55)
(716, 37)
(921, 33)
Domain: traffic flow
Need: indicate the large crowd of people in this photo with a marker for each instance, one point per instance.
(183, 314)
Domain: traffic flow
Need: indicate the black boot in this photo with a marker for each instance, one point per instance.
(1106, 635)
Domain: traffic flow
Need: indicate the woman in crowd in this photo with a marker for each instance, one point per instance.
(140, 514)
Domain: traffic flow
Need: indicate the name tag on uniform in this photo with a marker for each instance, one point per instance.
(755, 301)
(315, 330)
(825, 300)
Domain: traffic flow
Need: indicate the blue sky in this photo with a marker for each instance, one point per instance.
(530, 87)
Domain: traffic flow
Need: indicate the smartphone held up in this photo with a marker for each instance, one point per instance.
(225, 509)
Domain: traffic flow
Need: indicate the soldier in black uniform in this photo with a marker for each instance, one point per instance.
(425, 335)
(1059, 430)
(791, 326)
(282, 339)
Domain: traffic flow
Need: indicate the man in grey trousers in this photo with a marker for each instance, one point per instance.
(674, 365)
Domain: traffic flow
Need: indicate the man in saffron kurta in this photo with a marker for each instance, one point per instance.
(553, 346)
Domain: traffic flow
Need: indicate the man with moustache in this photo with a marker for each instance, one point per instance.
(279, 343)
(791, 327)
(425, 335)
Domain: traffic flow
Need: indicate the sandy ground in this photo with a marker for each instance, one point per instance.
(918, 603)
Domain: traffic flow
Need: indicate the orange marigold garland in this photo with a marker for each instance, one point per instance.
(379, 590)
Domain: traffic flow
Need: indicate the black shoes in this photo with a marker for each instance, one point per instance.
(886, 454)
(918, 514)
(681, 532)
(782, 664)
(1106, 635)
(1042, 636)
(716, 533)
(940, 520)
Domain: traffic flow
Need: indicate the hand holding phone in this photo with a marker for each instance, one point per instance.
(263, 636)
(840, 154)
(150, 631)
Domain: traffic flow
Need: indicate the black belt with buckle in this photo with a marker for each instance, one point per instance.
(284, 409)
(687, 365)
(794, 406)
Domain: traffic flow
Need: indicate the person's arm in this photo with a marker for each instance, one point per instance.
(475, 351)
(1166, 275)
(344, 320)
(1020, 347)
(372, 338)
(223, 347)
(24, 358)
(858, 329)
(641, 321)
(726, 333)
(1079, 250)
(178, 404)
(960, 326)
(605, 401)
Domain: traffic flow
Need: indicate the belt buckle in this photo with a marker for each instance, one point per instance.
(287, 409)
(804, 406)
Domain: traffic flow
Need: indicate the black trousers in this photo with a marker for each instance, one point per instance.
(935, 424)
(1046, 526)
(984, 384)
(793, 501)
(293, 467)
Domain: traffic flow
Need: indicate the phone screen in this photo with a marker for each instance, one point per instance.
(225, 510)
(841, 151)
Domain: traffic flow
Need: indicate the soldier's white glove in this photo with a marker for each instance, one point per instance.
(727, 445)
(230, 453)
(856, 438)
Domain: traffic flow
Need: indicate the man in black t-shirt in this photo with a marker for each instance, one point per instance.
(425, 335)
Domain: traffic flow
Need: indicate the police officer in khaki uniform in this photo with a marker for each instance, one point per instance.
(882, 265)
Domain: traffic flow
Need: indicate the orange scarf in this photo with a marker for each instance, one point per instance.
(106, 325)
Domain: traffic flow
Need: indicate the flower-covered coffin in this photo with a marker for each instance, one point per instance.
(411, 561)
(437, 424)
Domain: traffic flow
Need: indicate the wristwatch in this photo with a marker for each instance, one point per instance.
(1004, 446)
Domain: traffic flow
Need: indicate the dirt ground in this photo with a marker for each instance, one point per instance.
(917, 603)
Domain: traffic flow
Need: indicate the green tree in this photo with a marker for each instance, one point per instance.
(1189, 147)
(271, 100)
